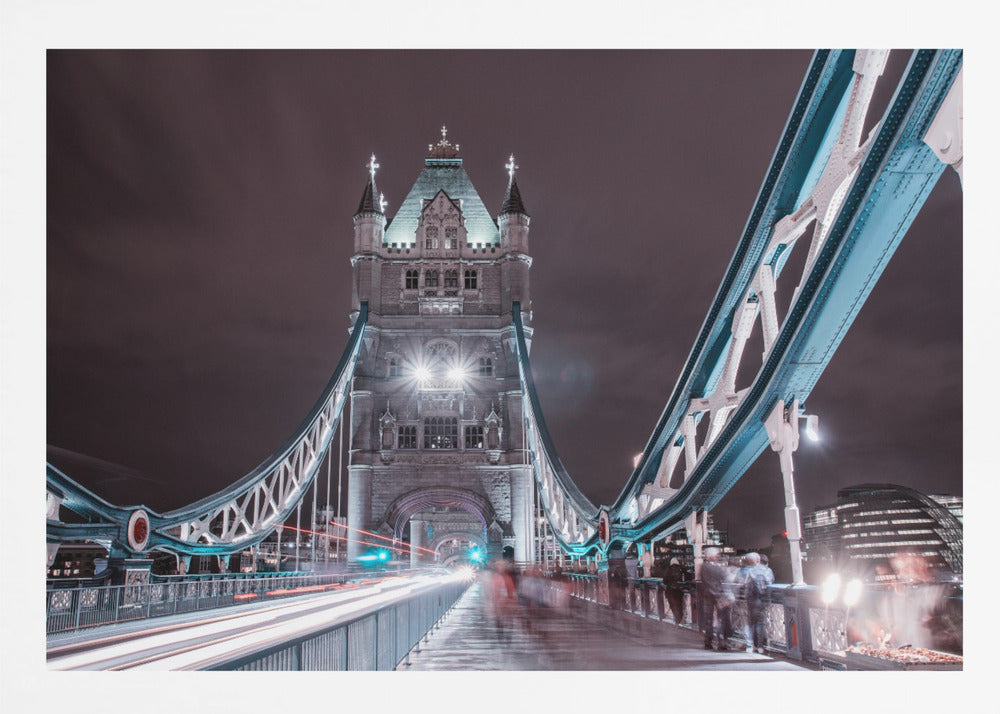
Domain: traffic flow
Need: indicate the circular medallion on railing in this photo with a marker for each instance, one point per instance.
(138, 530)
(604, 527)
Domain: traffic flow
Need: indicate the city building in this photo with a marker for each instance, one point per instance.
(437, 449)
(884, 531)
(78, 560)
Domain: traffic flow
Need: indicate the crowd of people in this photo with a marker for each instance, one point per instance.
(722, 583)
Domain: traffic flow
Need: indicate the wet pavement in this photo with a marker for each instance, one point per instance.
(580, 636)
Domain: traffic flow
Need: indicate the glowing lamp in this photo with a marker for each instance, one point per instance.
(457, 374)
(852, 593)
(421, 374)
(831, 586)
(812, 427)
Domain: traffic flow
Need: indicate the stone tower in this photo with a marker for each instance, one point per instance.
(437, 446)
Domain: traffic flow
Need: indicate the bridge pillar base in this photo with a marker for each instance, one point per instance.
(130, 571)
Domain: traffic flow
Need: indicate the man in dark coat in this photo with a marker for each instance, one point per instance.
(672, 581)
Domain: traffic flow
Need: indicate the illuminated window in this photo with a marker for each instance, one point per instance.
(451, 278)
(412, 276)
(407, 437)
(473, 437)
(441, 433)
(471, 280)
(485, 367)
(431, 279)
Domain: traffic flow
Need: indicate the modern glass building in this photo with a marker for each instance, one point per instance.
(888, 532)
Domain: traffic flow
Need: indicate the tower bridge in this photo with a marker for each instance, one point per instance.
(446, 434)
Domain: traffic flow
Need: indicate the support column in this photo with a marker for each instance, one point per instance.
(783, 431)
(418, 537)
(359, 504)
(522, 512)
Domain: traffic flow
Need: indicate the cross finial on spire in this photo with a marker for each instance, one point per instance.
(511, 168)
(372, 167)
(444, 134)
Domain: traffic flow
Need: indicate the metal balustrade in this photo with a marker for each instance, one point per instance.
(91, 605)
(377, 640)
(797, 623)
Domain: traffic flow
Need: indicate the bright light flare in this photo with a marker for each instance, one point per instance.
(831, 586)
(852, 593)
(458, 374)
(812, 427)
(421, 373)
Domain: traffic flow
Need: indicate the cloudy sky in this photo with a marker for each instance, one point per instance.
(199, 233)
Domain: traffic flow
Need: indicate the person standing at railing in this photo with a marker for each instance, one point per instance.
(672, 582)
(754, 579)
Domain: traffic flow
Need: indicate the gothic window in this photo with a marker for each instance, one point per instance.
(471, 280)
(412, 276)
(431, 232)
(431, 279)
(451, 232)
(485, 366)
(473, 437)
(451, 238)
(407, 437)
(394, 367)
(441, 433)
(451, 278)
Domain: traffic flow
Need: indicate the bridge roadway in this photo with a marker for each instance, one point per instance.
(202, 639)
(577, 636)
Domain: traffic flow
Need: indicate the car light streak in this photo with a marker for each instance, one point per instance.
(324, 607)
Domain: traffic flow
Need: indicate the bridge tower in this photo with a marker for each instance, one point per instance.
(437, 445)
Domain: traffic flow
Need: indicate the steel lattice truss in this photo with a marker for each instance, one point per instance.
(855, 197)
(232, 519)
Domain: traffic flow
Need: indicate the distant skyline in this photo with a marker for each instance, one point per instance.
(199, 237)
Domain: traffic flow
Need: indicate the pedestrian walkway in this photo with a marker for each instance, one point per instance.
(583, 636)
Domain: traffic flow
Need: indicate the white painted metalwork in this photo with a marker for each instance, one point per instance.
(817, 211)
(266, 502)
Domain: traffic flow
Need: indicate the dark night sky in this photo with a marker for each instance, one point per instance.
(199, 236)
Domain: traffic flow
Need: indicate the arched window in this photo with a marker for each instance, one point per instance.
(451, 278)
(451, 238)
(431, 233)
(485, 366)
(412, 276)
(431, 279)
(471, 280)
(441, 433)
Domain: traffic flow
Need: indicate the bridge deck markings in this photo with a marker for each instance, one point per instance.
(582, 636)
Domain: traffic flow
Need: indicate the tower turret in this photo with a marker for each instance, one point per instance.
(369, 228)
(369, 220)
(514, 219)
(513, 223)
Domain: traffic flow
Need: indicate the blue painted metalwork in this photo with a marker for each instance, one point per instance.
(884, 197)
(177, 530)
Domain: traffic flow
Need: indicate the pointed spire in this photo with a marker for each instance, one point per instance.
(370, 204)
(512, 202)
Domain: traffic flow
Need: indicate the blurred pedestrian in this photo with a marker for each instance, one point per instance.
(716, 600)
(754, 579)
(673, 584)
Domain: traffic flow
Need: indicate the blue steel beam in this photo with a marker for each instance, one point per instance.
(892, 184)
(108, 522)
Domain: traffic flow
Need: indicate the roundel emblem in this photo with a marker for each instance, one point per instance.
(604, 527)
(138, 530)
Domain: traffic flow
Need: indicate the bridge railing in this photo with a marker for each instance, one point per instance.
(85, 606)
(798, 624)
(379, 639)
